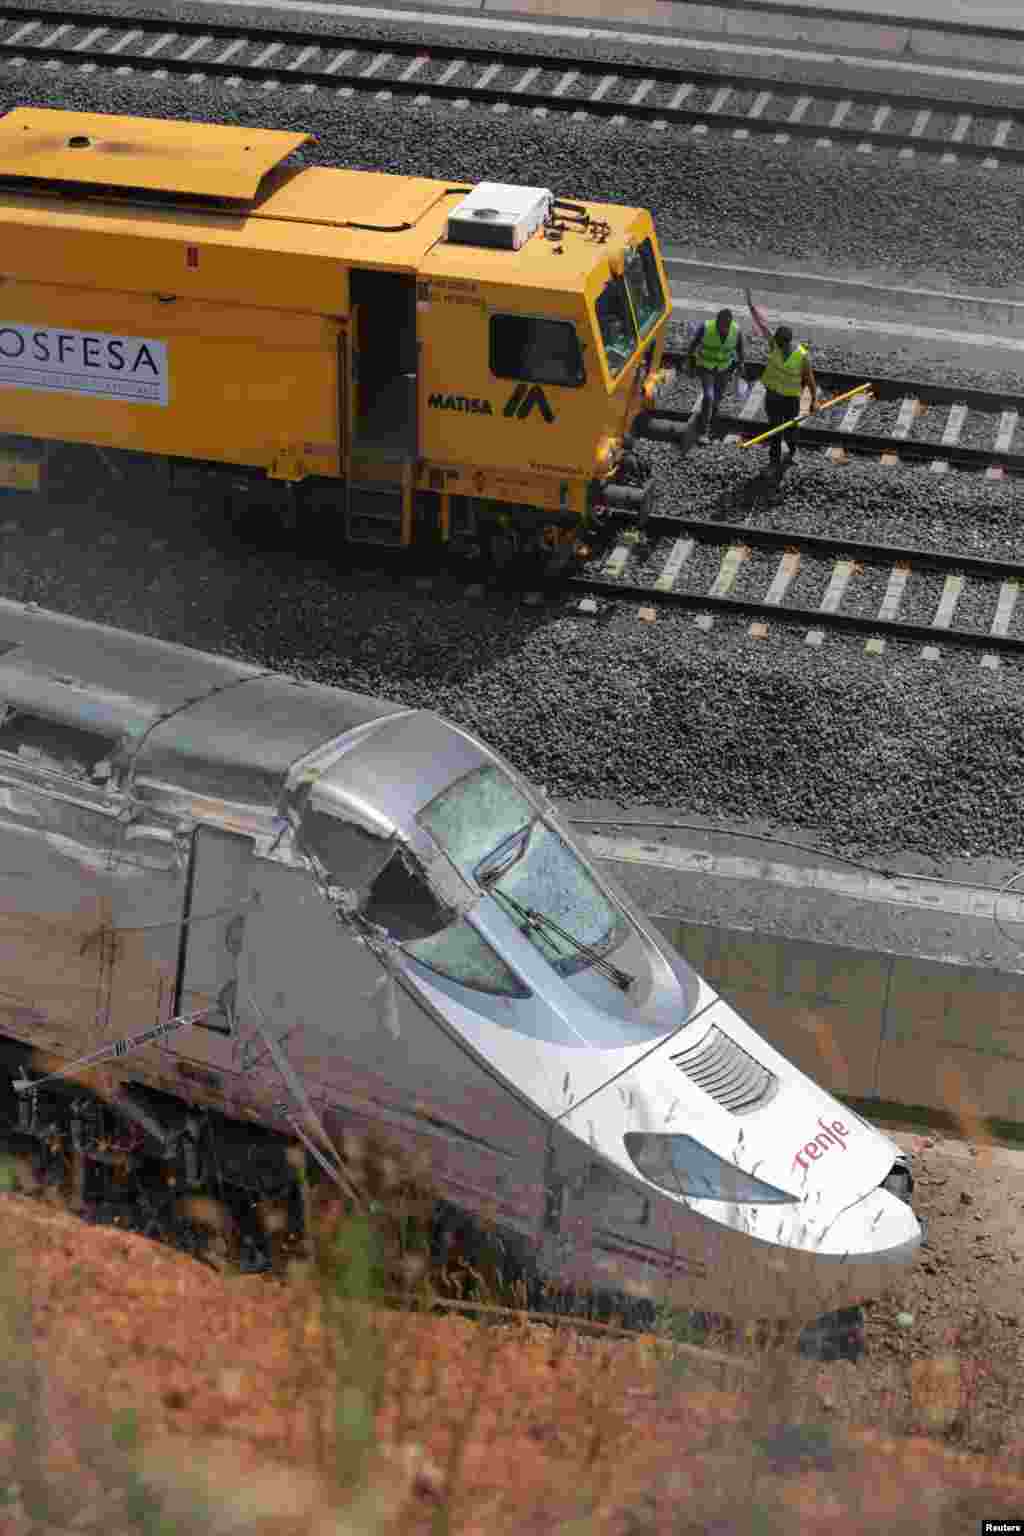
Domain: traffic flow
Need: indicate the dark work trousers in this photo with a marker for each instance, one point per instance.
(713, 382)
(780, 408)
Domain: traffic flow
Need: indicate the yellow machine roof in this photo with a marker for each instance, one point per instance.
(363, 218)
(562, 265)
(368, 200)
(152, 154)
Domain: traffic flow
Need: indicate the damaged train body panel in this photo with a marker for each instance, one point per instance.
(150, 874)
(295, 907)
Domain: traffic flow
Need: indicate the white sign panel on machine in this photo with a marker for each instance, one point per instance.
(59, 360)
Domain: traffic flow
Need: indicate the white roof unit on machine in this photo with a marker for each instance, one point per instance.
(499, 215)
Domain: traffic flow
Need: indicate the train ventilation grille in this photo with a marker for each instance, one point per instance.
(727, 1072)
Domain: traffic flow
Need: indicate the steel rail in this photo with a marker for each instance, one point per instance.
(806, 618)
(376, 84)
(863, 444)
(988, 402)
(626, 69)
(885, 388)
(869, 444)
(832, 547)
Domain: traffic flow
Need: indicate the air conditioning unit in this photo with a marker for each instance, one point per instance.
(499, 216)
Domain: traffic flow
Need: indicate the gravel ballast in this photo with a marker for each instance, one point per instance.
(869, 753)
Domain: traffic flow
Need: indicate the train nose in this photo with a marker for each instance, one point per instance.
(860, 1252)
(882, 1228)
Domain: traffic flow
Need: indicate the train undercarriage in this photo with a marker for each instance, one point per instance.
(237, 1195)
(318, 516)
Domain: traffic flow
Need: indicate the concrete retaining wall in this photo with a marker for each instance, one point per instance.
(871, 1026)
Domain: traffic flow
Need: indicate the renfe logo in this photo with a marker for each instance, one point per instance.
(831, 1136)
(58, 360)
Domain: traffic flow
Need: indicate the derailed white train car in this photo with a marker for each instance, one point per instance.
(373, 921)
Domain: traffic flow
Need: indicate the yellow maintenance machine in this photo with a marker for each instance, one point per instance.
(391, 358)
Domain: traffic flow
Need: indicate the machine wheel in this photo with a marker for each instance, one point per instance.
(559, 561)
(288, 513)
(499, 550)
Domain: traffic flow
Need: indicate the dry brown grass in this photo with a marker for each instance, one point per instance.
(140, 1391)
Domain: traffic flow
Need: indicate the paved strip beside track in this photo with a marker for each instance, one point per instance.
(711, 28)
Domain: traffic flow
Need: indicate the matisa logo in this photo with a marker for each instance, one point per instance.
(830, 1136)
(468, 403)
(523, 399)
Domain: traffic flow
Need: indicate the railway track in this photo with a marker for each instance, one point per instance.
(805, 580)
(907, 422)
(622, 92)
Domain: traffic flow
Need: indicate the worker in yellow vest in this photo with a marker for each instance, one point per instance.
(787, 373)
(716, 353)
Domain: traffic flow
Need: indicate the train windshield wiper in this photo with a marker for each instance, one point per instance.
(531, 918)
(507, 854)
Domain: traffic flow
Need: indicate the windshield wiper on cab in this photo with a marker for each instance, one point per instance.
(507, 854)
(540, 920)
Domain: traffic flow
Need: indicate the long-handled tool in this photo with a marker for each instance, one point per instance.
(783, 426)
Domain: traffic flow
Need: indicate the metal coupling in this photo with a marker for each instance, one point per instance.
(668, 429)
(633, 500)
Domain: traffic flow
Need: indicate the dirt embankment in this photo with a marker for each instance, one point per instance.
(140, 1385)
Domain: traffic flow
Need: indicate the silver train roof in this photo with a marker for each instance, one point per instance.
(214, 727)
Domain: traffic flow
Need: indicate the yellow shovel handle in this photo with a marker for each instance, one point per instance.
(836, 400)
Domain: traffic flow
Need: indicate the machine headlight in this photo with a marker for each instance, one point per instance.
(655, 383)
(684, 1166)
(609, 451)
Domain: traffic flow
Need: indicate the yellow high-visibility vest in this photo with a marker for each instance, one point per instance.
(714, 352)
(782, 375)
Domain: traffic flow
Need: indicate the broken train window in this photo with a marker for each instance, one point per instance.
(46, 743)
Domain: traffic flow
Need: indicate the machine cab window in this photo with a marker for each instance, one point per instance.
(539, 351)
(644, 283)
(616, 324)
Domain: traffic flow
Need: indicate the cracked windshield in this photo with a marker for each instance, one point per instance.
(494, 835)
